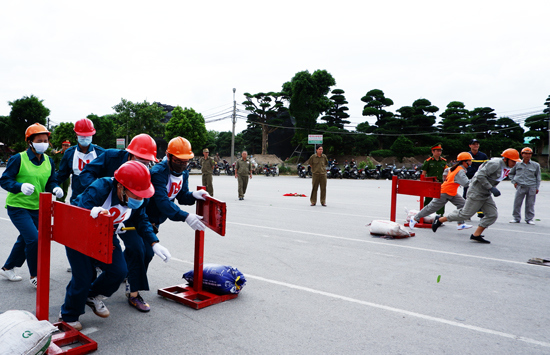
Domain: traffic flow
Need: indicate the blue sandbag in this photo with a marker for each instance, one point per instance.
(219, 279)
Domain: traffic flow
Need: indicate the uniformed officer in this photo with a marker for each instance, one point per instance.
(526, 179)
(77, 157)
(243, 170)
(434, 166)
(207, 169)
(318, 163)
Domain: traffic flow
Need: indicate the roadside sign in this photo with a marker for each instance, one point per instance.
(315, 139)
(120, 143)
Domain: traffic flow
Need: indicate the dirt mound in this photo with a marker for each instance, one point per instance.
(266, 159)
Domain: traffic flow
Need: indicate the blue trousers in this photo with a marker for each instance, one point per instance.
(84, 283)
(26, 246)
(138, 255)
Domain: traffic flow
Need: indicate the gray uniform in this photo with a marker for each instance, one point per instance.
(527, 176)
(490, 174)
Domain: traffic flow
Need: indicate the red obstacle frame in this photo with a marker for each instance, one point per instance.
(214, 212)
(57, 222)
(426, 187)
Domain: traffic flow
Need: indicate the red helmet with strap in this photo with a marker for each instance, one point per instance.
(144, 147)
(135, 177)
(84, 127)
(36, 128)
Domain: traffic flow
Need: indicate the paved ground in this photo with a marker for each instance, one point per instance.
(319, 283)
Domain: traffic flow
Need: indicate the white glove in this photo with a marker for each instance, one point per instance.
(199, 195)
(27, 188)
(58, 192)
(194, 222)
(95, 211)
(162, 252)
(119, 228)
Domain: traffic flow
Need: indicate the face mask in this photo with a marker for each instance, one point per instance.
(177, 168)
(84, 141)
(40, 148)
(133, 203)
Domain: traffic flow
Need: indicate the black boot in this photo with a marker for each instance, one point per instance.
(479, 239)
(436, 224)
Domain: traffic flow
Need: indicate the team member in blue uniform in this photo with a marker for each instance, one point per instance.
(142, 148)
(170, 179)
(26, 176)
(123, 197)
(75, 158)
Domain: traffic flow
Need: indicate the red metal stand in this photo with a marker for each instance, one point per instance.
(426, 187)
(214, 213)
(57, 222)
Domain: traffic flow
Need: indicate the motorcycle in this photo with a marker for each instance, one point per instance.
(227, 168)
(301, 170)
(216, 170)
(274, 170)
(354, 173)
(334, 171)
(267, 170)
(385, 173)
(346, 172)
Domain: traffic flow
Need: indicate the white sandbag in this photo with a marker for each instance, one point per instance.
(390, 228)
(412, 213)
(22, 333)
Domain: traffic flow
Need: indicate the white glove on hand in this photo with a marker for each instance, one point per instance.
(95, 211)
(119, 228)
(194, 222)
(162, 252)
(199, 195)
(58, 192)
(27, 188)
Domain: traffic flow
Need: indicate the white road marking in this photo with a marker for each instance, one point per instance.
(393, 309)
(90, 330)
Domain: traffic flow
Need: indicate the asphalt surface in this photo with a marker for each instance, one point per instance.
(318, 282)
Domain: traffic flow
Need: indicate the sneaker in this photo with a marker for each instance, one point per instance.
(530, 222)
(436, 224)
(412, 223)
(479, 239)
(34, 282)
(127, 290)
(76, 324)
(98, 306)
(10, 275)
(138, 303)
(463, 226)
(513, 221)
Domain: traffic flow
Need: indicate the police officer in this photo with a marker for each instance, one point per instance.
(77, 157)
(318, 163)
(242, 171)
(122, 197)
(484, 183)
(526, 179)
(207, 169)
(434, 166)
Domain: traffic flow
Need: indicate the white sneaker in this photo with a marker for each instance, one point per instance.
(530, 222)
(76, 324)
(463, 226)
(10, 275)
(97, 305)
(513, 221)
(34, 282)
(412, 223)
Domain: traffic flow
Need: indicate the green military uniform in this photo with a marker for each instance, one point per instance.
(243, 170)
(319, 178)
(434, 167)
(65, 184)
(207, 170)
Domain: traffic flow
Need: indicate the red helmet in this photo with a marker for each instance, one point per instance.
(144, 147)
(511, 154)
(36, 128)
(135, 177)
(84, 127)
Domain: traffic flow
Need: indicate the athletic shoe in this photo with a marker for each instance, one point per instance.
(436, 224)
(412, 223)
(34, 282)
(76, 324)
(324, 205)
(98, 306)
(10, 275)
(530, 222)
(513, 221)
(138, 303)
(479, 239)
(463, 226)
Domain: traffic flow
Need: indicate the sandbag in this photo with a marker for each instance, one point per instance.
(412, 213)
(219, 279)
(393, 229)
(22, 333)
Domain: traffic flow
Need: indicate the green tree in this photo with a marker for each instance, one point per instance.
(211, 138)
(454, 118)
(482, 119)
(105, 127)
(402, 147)
(63, 131)
(538, 128)
(335, 140)
(375, 104)
(26, 111)
(223, 143)
(265, 111)
(7, 133)
(335, 116)
(252, 140)
(137, 118)
(307, 93)
(189, 124)
(507, 128)
(419, 118)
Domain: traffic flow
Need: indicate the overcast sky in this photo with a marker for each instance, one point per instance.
(83, 57)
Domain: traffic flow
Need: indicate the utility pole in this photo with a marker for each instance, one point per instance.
(234, 120)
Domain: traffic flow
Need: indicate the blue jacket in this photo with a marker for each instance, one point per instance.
(160, 207)
(104, 165)
(95, 196)
(479, 159)
(7, 181)
(66, 169)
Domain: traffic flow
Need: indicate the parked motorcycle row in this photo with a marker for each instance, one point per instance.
(351, 171)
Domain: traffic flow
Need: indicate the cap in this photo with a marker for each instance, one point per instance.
(474, 141)
(437, 146)
(66, 142)
(205, 150)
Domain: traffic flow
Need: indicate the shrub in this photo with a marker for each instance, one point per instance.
(384, 153)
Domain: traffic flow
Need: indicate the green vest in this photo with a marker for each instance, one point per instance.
(32, 174)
